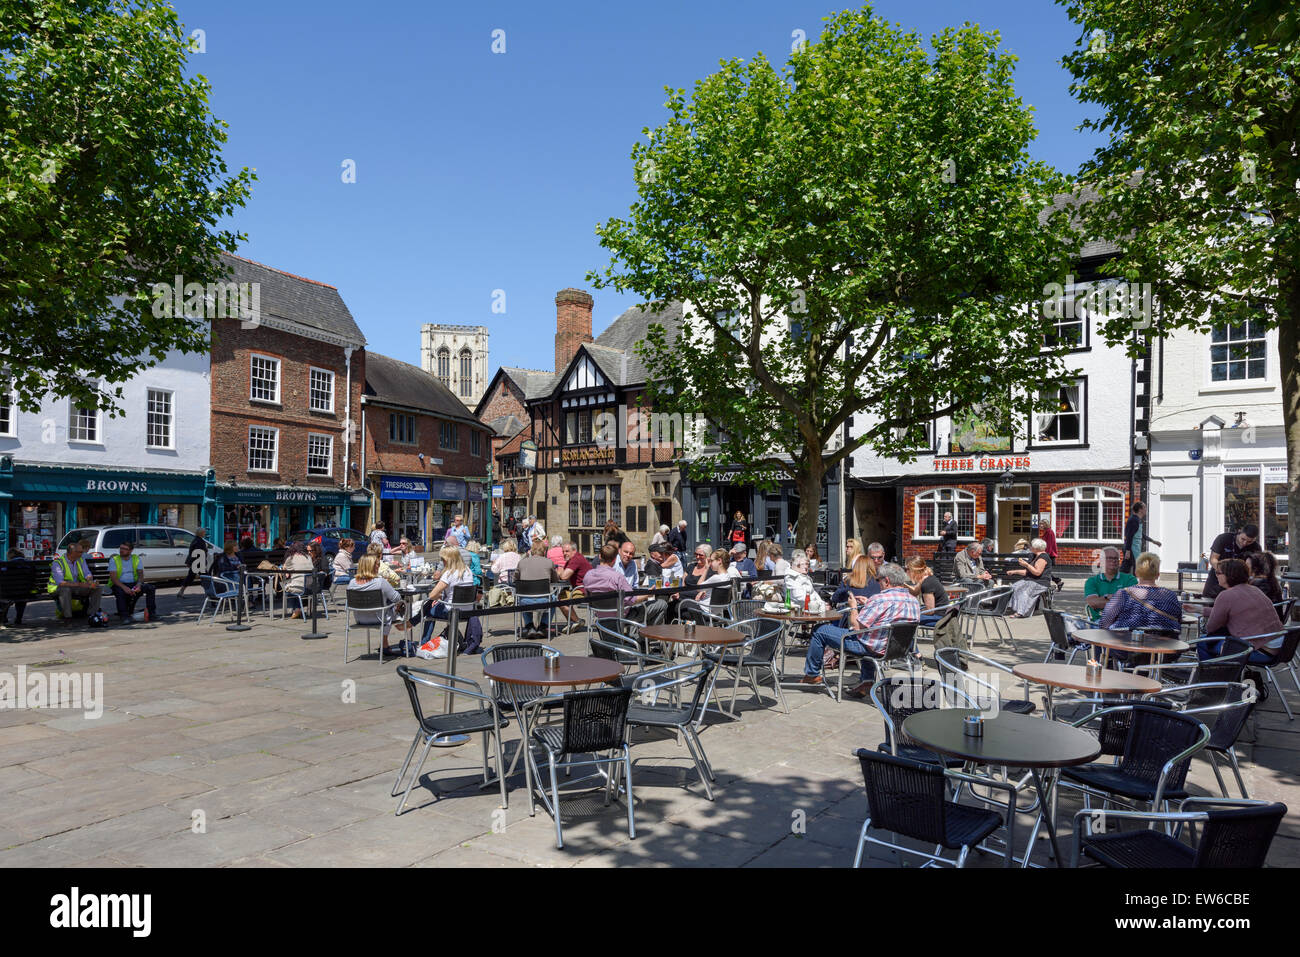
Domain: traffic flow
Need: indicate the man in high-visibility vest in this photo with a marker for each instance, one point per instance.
(127, 578)
(72, 585)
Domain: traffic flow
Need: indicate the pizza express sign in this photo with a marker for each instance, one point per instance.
(985, 464)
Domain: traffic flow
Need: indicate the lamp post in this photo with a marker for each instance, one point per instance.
(488, 506)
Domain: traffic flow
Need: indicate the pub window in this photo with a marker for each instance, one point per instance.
(931, 505)
(640, 518)
(573, 506)
(1088, 513)
(630, 524)
(600, 506)
(586, 506)
(615, 501)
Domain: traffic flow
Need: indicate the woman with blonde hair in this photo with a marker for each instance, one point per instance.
(438, 606)
(852, 549)
(376, 550)
(860, 582)
(367, 579)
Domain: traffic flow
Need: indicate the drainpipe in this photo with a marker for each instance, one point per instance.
(347, 418)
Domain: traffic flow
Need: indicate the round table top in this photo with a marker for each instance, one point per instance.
(1076, 677)
(799, 616)
(956, 589)
(703, 635)
(1121, 640)
(1011, 739)
(1197, 600)
(572, 670)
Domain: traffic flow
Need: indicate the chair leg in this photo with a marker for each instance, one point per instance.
(776, 683)
(691, 745)
(627, 767)
(414, 777)
(501, 768)
(1236, 770)
(862, 841)
(1278, 688)
(1214, 764)
(555, 798)
(407, 763)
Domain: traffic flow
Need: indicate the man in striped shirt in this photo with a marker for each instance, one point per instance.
(866, 635)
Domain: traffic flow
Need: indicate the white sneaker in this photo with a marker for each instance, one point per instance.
(130, 619)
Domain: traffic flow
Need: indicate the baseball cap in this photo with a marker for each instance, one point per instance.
(738, 547)
(660, 548)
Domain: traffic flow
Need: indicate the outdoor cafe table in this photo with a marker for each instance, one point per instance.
(1009, 740)
(1076, 678)
(789, 619)
(571, 671)
(1122, 640)
(955, 591)
(702, 636)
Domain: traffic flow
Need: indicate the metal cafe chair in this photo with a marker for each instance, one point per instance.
(536, 591)
(595, 724)
(376, 609)
(220, 592)
(1235, 833)
(1063, 647)
(484, 718)
(646, 711)
(897, 698)
(510, 700)
(757, 654)
(1224, 707)
(954, 668)
(909, 799)
(901, 647)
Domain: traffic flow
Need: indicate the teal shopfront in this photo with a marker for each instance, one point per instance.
(265, 513)
(40, 503)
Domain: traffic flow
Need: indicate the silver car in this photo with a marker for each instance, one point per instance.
(162, 550)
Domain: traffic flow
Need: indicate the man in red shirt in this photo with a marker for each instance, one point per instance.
(572, 572)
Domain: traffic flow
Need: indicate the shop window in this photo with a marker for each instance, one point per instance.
(573, 507)
(158, 425)
(1237, 352)
(585, 498)
(322, 390)
(1088, 513)
(600, 506)
(930, 507)
(263, 379)
(320, 454)
(263, 448)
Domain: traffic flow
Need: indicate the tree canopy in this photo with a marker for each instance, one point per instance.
(863, 230)
(111, 180)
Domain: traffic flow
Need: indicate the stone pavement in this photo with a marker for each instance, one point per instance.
(223, 748)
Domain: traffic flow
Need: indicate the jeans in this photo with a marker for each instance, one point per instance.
(1212, 649)
(126, 601)
(929, 619)
(543, 616)
(832, 636)
(473, 634)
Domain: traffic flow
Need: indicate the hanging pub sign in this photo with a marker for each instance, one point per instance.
(528, 455)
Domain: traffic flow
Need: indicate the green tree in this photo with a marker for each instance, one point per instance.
(861, 232)
(111, 180)
(1197, 181)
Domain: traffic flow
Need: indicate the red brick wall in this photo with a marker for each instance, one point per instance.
(925, 547)
(572, 324)
(233, 412)
(1073, 554)
(383, 455)
(504, 399)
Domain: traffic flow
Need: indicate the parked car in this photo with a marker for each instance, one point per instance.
(162, 549)
(328, 538)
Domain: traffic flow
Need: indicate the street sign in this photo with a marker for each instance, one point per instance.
(498, 491)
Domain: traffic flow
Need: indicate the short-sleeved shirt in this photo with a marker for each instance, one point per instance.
(932, 586)
(1104, 587)
(535, 567)
(127, 575)
(378, 536)
(452, 579)
(79, 569)
(580, 567)
(1225, 546)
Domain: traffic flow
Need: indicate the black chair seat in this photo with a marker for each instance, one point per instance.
(463, 722)
(915, 752)
(551, 738)
(1018, 707)
(659, 715)
(1138, 849)
(730, 659)
(967, 826)
(1108, 777)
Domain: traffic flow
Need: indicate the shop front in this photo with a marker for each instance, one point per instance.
(268, 513)
(403, 507)
(447, 500)
(709, 508)
(40, 503)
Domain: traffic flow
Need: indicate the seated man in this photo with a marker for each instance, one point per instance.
(535, 566)
(894, 603)
(970, 568)
(1098, 589)
(573, 573)
(656, 609)
(128, 584)
(72, 585)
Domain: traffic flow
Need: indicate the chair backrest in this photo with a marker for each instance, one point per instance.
(902, 635)
(765, 633)
(610, 642)
(595, 719)
(743, 609)
(606, 604)
(905, 796)
(721, 598)
(1154, 736)
(992, 601)
(1290, 641)
(1238, 837)
(532, 588)
(1056, 629)
(364, 599)
(463, 597)
(899, 697)
(414, 679)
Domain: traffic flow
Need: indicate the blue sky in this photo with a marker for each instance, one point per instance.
(478, 171)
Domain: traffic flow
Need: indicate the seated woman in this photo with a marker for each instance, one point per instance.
(1035, 577)
(814, 563)
(799, 583)
(1145, 605)
(367, 579)
(296, 559)
(438, 606)
(228, 564)
(860, 582)
(719, 561)
(928, 590)
(1263, 575)
(507, 561)
(343, 563)
(1242, 611)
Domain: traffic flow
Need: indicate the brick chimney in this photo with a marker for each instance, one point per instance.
(572, 324)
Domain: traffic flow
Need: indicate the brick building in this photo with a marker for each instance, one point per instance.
(503, 408)
(425, 457)
(286, 390)
(586, 473)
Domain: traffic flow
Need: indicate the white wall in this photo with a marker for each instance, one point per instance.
(42, 437)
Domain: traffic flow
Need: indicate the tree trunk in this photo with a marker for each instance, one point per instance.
(809, 483)
(1288, 346)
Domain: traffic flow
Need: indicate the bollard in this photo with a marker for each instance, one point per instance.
(315, 609)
